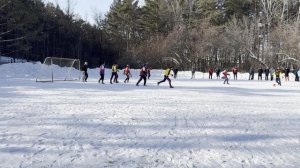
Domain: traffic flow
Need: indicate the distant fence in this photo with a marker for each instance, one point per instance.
(7, 60)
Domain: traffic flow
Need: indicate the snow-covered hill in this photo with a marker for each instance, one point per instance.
(199, 123)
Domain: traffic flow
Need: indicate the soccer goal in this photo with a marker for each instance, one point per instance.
(59, 69)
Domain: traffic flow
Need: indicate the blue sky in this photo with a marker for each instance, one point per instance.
(86, 8)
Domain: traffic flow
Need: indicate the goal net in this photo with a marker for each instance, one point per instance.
(59, 69)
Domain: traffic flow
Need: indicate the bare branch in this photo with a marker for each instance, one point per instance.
(288, 57)
(11, 40)
(3, 5)
(253, 56)
(3, 33)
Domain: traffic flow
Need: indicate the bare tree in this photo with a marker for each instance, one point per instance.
(285, 40)
(7, 28)
(70, 8)
(298, 15)
(241, 33)
(98, 18)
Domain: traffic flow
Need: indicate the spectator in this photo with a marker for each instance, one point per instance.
(286, 74)
(193, 73)
(267, 72)
(260, 72)
(235, 71)
(218, 71)
(210, 73)
(251, 73)
(272, 70)
(175, 72)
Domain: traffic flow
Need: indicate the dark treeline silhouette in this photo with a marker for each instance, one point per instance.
(32, 30)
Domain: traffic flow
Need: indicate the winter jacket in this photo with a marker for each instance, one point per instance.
(287, 71)
(114, 68)
(234, 71)
(225, 73)
(143, 71)
(260, 71)
(167, 72)
(277, 73)
(267, 71)
(84, 68)
(126, 71)
(102, 70)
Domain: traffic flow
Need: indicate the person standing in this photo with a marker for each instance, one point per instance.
(267, 72)
(296, 75)
(272, 71)
(287, 74)
(127, 73)
(251, 73)
(218, 71)
(143, 75)
(114, 74)
(225, 76)
(277, 75)
(235, 71)
(210, 73)
(260, 72)
(167, 72)
(149, 72)
(175, 72)
(102, 72)
(85, 74)
(193, 73)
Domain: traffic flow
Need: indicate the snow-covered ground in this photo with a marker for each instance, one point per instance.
(199, 123)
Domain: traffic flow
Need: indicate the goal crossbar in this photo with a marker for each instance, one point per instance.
(59, 69)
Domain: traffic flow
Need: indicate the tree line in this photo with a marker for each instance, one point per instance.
(33, 30)
(206, 33)
(183, 33)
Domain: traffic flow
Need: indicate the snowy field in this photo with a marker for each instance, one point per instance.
(199, 123)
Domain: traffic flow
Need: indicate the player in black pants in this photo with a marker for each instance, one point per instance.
(143, 76)
(84, 69)
(166, 77)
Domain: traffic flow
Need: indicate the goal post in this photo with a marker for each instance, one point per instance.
(59, 69)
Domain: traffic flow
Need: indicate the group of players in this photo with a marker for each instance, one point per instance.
(145, 73)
